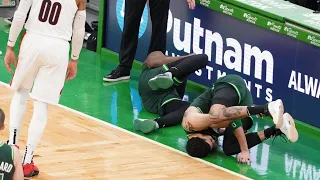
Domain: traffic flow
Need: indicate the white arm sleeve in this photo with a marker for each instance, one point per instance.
(78, 33)
(19, 19)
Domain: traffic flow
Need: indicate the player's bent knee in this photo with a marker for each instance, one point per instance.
(193, 120)
(202, 59)
(186, 121)
(186, 124)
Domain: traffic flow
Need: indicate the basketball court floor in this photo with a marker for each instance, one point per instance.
(90, 135)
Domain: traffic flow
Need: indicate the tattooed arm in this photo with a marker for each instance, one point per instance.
(218, 117)
(219, 113)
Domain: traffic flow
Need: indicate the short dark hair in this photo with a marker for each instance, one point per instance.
(2, 117)
(197, 147)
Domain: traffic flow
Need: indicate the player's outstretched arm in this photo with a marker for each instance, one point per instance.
(19, 19)
(244, 156)
(78, 29)
(18, 172)
(17, 24)
(218, 117)
(219, 112)
(77, 39)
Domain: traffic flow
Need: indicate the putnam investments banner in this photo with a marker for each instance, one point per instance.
(274, 65)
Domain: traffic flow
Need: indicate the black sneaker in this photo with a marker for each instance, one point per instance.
(116, 75)
(8, 20)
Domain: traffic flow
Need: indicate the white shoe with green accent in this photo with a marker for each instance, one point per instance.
(161, 81)
(144, 125)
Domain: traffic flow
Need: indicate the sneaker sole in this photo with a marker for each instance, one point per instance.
(145, 126)
(33, 174)
(278, 118)
(292, 131)
(115, 80)
(160, 83)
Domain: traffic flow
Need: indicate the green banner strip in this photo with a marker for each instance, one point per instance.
(251, 15)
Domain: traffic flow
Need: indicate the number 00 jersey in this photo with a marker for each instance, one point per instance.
(52, 18)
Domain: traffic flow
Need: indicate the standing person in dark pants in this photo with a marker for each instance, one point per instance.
(133, 11)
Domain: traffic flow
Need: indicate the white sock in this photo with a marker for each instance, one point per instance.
(17, 111)
(36, 129)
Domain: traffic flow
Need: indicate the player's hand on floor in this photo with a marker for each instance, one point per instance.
(10, 58)
(244, 157)
(72, 70)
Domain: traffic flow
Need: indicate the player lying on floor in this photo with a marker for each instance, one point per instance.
(10, 159)
(222, 106)
(162, 86)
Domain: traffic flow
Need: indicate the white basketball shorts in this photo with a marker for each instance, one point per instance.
(42, 67)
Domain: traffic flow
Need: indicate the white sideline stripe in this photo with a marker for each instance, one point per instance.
(144, 138)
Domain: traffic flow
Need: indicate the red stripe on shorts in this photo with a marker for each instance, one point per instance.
(61, 91)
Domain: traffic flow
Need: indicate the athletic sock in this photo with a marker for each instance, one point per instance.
(28, 154)
(17, 111)
(36, 129)
(270, 131)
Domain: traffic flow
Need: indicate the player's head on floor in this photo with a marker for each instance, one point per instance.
(200, 145)
(2, 117)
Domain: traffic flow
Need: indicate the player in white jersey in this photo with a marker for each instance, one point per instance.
(43, 63)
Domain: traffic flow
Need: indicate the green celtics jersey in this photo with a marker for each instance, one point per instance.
(236, 82)
(6, 161)
(204, 101)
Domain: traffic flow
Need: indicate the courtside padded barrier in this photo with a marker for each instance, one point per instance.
(282, 10)
(276, 57)
(276, 15)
